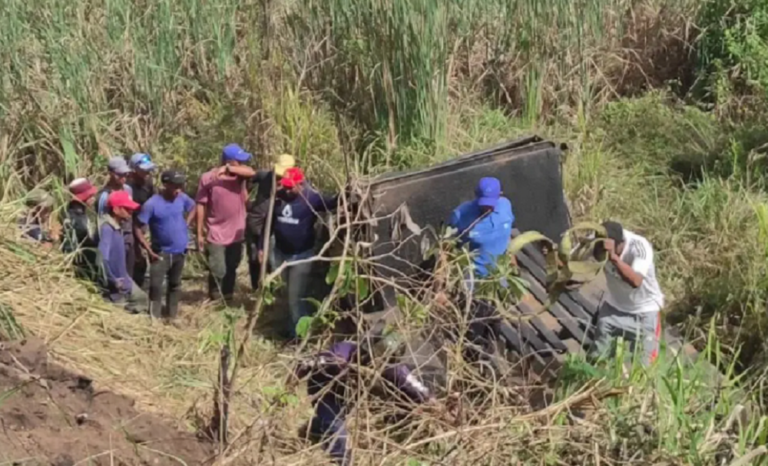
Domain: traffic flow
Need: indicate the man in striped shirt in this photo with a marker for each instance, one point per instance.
(633, 300)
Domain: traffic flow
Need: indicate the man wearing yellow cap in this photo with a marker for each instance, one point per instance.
(258, 210)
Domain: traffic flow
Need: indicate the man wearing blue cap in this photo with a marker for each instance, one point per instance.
(142, 188)
(485, 225)
(221, 197)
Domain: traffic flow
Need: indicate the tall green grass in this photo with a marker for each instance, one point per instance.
(97, 77)
(394, 66)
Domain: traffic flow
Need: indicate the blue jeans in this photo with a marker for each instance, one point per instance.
(296, 278)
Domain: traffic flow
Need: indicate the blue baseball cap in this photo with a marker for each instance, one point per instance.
(142, 162)
(488, 192)
(235, 152)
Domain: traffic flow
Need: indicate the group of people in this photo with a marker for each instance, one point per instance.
(143, 230)
(630, 310)
(632, 303)
(227, 221)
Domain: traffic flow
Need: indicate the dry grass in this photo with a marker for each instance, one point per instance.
(607, 418)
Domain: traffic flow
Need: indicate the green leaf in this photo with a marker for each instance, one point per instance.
(362, 288)
(517, 244)
(332, 274)
(303, 326)
(314, 302)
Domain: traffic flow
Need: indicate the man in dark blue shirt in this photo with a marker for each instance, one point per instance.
(484, 224)
(296, 211)
(258, 210)
(329, 374)
(142, 188)
(168, 215)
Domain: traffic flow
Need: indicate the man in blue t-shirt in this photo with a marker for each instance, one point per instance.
(485, 225)
(165, 213)
(296, 211)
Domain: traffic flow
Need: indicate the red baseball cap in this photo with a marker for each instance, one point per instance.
(293, 176)
(82, 189)
(121, 199)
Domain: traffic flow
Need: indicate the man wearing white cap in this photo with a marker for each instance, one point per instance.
(258, 210)
(142, 188)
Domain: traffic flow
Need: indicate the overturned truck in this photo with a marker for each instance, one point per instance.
(410, 208)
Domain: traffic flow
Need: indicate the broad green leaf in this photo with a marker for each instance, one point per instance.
(303, 326)
(517, 244)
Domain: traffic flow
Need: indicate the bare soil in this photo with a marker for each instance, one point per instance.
(51, 416)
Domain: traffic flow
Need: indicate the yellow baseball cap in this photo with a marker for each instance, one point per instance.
(284, 162)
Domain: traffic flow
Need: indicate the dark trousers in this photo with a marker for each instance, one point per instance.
(252, 251)
(222, 266)
(332, 434)
(130, 258)
(141, 264)
(168, 267)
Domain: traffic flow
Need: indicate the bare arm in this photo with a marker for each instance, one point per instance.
(625, 270)
(200, 211)
(192, 216)
(139, 235)
(243, 171)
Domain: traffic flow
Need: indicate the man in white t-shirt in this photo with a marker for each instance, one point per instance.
(632, 303)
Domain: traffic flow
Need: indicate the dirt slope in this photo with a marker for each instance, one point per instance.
(51, 416)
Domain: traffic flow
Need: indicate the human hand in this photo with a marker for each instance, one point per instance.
(441, 299)
(153, 257)
(201, 244)
(261, 256)
(610, 248)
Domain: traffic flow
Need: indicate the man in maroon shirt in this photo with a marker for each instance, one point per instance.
(221, 198)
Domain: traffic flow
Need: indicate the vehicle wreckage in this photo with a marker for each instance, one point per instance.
(403, 214)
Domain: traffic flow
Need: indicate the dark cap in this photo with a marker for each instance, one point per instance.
(173, 176)
(614, 231)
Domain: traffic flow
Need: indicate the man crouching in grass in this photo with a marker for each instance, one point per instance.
(631, 307)
(329, 374)
(120, 285)
(165, 214)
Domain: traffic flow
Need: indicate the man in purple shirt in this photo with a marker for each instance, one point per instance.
(168, 215)
(221, 198)
(330, 373)
(119, 283)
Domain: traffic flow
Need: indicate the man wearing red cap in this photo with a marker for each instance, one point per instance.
(78, 233)
(296, 211)
(119, 283)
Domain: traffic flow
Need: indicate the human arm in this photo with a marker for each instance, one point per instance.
(107, 237)
(142, 239)
(200, 214)
(203, 196)
(190, 208)
(143, 219)
(192, 216)
(242, 171)
(406, 382)
(323, 203)
(633, 273)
